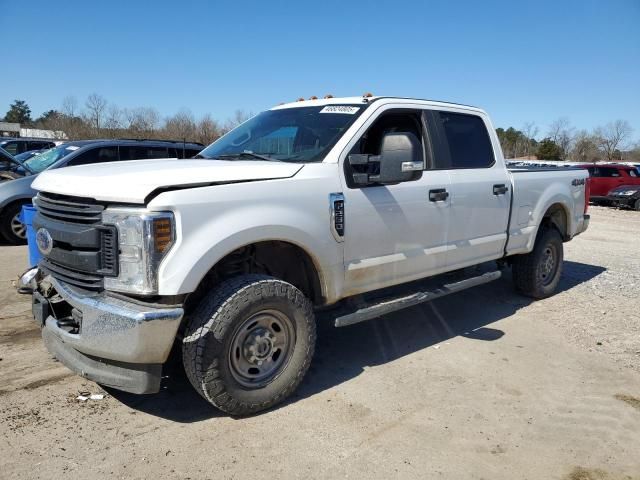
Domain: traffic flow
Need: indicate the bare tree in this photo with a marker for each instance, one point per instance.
(141, 122)
(240, 116)
(96, 106)
(180, 126)
(613, 137)
(562, 133)
(529, 130)
(113, 121)
(585, 147)
(208, 130)
(70, 106)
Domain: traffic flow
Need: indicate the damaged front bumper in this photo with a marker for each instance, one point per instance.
(112, 341)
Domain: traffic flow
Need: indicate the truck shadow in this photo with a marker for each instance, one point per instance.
(344, 353)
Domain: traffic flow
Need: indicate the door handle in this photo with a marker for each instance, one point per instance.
(438, 195)
(500, 189)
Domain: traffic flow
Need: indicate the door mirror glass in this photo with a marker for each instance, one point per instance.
(401, 160)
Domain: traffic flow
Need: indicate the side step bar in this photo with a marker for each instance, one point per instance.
(388, 306)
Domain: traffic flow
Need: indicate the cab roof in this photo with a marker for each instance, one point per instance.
(367, 100)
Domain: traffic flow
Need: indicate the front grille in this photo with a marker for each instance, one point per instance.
(84, 250)
(74, 277)
(63, 208)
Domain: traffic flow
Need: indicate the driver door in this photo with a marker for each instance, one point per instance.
(393, 233)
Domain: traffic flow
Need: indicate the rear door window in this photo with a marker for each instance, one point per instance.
(38, 145)
(95, 155)
(460, 140)
(140, 152)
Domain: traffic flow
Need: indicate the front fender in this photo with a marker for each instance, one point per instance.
(214, 221)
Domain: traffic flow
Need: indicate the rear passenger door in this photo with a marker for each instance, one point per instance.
(480, 189)
(608, 178)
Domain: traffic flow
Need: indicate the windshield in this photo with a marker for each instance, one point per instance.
(301, 134)
(27, 155)
(47, 158)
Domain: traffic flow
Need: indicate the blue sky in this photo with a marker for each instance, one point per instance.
(522, 61)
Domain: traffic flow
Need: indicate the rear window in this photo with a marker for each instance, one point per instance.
(467, 140)
(606, 172)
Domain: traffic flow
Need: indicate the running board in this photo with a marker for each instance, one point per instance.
(387, 306)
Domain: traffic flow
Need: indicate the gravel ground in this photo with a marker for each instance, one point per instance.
(484, 384)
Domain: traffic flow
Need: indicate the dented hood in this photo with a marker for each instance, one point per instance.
(133, 181)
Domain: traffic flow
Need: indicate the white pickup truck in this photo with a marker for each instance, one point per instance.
(349, 203)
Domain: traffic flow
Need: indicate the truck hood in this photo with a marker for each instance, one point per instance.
(133, 181)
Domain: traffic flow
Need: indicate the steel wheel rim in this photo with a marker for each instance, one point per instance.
(261, 347)
(548, 265)
(17, 227)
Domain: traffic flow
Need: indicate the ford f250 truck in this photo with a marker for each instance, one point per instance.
(357, 206)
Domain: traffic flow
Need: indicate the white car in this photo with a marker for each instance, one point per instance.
(304, 206)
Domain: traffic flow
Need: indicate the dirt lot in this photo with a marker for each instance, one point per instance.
(485, 384)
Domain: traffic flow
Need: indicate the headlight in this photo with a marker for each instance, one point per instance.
(144, 238)
(629, 192)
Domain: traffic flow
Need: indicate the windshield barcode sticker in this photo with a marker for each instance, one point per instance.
(340, 109)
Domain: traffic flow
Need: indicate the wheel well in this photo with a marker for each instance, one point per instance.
(556, 216)
(17, 201)
(279, 259)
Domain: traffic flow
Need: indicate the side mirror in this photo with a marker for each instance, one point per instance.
(400, 160)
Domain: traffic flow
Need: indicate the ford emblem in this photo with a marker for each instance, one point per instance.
(44, 241)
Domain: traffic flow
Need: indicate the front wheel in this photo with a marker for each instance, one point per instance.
(248, 346)
(11, 228)
(537, 273)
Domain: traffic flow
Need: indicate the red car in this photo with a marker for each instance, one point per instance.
(606, 177)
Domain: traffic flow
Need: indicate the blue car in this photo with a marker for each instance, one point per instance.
(16, 192)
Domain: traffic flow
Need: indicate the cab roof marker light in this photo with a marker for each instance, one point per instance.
(328, 95)
(313, 97)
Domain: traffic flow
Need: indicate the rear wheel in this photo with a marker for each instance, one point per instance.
(537, 274)
(636, 205)
(248, 346)
(11, 228)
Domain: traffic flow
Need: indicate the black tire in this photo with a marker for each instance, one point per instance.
(216, 365)
(8, 175)
(8, 228)
(636, 206)
(537, 274)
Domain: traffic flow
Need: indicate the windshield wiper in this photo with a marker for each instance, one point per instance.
(248, 154)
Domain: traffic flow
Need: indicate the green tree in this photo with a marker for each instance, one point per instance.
(548, 150)
(48, 116)
(19, 112)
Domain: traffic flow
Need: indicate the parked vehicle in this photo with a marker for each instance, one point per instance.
(358, 204)
(625, 196)
(19, 192)
(17, 169)
(606, 177)
(8, 166)
(15, 146)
